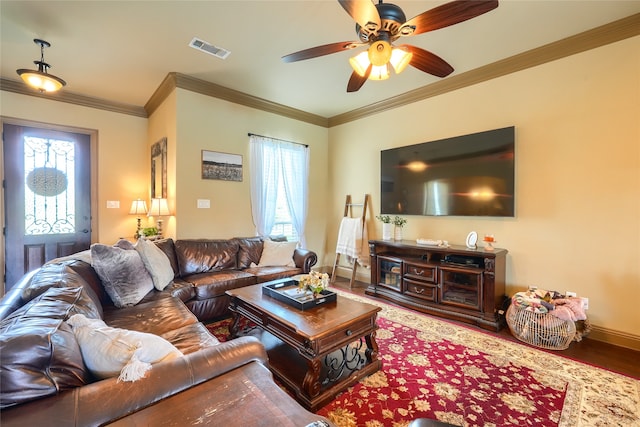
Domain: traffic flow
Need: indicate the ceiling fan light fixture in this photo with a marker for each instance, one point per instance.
(400, 58)
(40, 79)
(379, 72)
(360, 63)
(379, 53)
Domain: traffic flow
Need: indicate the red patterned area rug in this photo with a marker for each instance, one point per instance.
(437, 370)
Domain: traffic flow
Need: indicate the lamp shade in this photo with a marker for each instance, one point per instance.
(40, 79)
(159, 207)
(400, 58)
(138, 207)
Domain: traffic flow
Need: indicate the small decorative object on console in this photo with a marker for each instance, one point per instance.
(489, 240)
(472, 238)
(399, 222)
(387, 226)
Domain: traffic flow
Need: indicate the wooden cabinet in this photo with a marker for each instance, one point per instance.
(454, 282)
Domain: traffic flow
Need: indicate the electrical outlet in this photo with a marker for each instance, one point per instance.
(571, 294)
(113, 204)
(585, 303)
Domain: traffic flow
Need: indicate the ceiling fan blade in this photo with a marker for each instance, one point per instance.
(448, 14)
(356, 80)
(428, 62)
(364, 12)
(314, 52)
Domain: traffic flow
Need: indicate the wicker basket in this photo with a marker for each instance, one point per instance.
(540, 329)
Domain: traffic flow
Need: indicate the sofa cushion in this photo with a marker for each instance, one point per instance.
(61, 275)
(191, 338)
(156, 263)
(156, 317)
(109, 352)
(168, 247)
(202, 256)
(277, 253)
(216, 283)
(123, 274)
(249, 252)
(39, 353)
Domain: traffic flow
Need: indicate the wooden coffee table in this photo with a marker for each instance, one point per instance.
(317, 352)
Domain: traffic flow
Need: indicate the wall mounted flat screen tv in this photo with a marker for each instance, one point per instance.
(470, 175)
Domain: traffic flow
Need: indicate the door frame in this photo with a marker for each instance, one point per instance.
(93, 137)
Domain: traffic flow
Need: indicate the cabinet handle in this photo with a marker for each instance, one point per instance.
(348, 332)
(418, 290)
(419, 273)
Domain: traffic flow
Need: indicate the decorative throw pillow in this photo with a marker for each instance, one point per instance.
(122, 272)
(108, 352)
(156, 263)
(277, 253)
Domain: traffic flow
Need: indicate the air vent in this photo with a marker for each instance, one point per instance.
(206, 47)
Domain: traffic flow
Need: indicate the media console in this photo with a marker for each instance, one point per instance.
(453, 282)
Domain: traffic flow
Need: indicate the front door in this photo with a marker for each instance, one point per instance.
(47, 197)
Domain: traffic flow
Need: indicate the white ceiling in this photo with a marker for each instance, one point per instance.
(121, 50)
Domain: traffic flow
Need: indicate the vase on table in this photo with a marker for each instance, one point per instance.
(387, 231)
(398, 233)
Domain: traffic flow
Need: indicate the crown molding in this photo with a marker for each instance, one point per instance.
(18, 86)
(183, 81)
(591, 39)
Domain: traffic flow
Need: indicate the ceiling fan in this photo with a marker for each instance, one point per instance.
(378, 26)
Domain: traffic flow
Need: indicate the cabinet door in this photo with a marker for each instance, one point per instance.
(461, 287)
(390, 273)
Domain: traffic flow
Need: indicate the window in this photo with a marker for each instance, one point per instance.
(279, 186)
(283, 224)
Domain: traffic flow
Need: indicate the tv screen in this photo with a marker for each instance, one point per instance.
(470, 175)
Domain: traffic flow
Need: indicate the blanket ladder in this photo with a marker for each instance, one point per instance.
(348, 212)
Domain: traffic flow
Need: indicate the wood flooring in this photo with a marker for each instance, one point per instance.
(608, 356)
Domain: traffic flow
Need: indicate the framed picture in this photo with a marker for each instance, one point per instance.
(224, 166)
(159, 169)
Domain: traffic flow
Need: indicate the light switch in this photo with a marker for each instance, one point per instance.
(204, 203)
(113, 204)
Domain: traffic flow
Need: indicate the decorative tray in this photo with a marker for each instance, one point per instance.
(286, 291)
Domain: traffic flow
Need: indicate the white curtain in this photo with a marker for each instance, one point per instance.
(272, 160)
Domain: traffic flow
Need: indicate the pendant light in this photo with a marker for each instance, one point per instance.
(41, 79)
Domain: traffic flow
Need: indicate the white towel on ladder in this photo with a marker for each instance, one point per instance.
(352, 239)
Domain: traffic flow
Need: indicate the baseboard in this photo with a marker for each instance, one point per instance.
(598, 333)
(618, 338)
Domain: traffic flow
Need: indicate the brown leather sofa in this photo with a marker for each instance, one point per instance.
(204, 269)
(43, 380)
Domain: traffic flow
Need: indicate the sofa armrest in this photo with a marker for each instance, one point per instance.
(304, 259)
(107, 400)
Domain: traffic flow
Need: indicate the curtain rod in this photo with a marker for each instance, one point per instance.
(277, 139)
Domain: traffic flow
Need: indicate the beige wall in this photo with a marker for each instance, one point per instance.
(206, 123)
(577, 224)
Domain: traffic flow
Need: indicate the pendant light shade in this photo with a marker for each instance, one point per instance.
(40, 79)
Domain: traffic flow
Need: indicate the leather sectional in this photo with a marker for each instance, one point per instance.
(44, 380)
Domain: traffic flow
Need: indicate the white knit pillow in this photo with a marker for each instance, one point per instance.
(277, 253)
(108, 352)
(156, 263)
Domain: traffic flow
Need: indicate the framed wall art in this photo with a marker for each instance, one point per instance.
(159, 169)
(223, 166)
